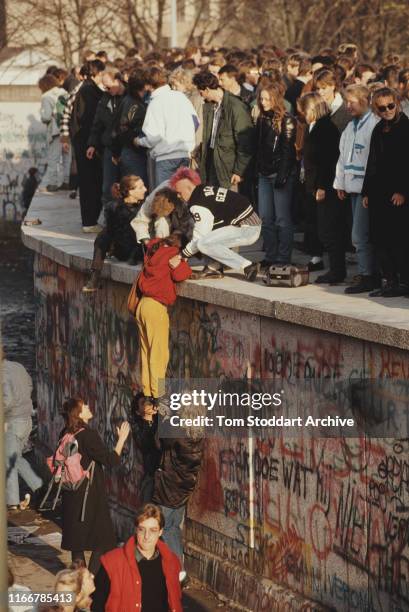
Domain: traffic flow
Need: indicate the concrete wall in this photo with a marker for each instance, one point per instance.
(331, 515)
(22, 145)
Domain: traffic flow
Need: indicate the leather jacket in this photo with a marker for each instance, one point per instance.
(276, 152)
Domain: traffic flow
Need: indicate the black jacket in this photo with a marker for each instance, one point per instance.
(96, 532)
(128, 123)
(341, 118)
(176, 478)
(320, 155)
(84, 109)
(276, 151)
(387, 173)
(101, 130)
(145, 435)
(293, 92)
(118, 217)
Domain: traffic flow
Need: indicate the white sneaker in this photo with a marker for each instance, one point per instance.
(91, 229)
(26, 502)
(182, 576)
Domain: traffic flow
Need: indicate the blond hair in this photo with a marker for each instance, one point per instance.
(315, 103)
(72, 580)
(360, 92)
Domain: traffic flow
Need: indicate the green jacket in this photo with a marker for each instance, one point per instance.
(234, 145)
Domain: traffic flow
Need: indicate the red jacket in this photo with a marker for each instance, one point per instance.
(157, 279)
(126, 588)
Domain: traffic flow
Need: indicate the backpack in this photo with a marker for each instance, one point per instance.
(67, 471)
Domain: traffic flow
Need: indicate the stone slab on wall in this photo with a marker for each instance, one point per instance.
(331, 516)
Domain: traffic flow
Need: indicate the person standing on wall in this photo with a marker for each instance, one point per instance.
(96, 531)
(228, 135)
(276, 165)
(100, 139)
(89, 169)
(349, 178)
(320, 156)
(386, 193)
(169, 127)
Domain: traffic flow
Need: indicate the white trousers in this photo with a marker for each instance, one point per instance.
(219, 242)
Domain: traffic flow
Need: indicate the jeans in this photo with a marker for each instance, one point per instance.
(219, 242)
(274, 207)
(58, 164)
(165, 168)
(134, 161)
(172, 532)
(360, 235)
(18, 432)
(110, 176)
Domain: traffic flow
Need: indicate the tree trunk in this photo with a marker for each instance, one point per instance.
(3, 24)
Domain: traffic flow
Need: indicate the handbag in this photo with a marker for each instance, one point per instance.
(286, 276)
(134, 296)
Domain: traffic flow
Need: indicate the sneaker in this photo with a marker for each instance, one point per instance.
(251, 271)
(73, 194)
(92, 283)
(207, 273)
(26, 502)
(329, 279)
(92, 229)
(361, 284)
(52, 188)
(397, 290)
(315, 267)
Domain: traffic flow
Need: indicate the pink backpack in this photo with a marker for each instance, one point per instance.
(67, 471)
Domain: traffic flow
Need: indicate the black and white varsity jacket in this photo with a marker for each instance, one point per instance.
(213, 208)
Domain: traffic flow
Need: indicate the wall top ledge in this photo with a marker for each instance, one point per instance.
(383, 321)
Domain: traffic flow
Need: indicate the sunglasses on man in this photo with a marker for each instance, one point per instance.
(384, 108)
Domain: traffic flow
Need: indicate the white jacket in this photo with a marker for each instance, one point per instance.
(140, 223)
(170, 125)
(17, 389)
(353, 153)
(48, 110)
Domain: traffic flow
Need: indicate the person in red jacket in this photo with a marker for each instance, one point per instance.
(143, 574)
(163, 267)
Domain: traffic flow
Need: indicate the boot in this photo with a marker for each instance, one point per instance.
(93, 282)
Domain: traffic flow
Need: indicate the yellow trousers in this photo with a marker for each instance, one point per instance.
(153, 324)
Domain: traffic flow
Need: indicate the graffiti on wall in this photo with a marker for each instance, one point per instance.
(326, 518)
(22, 146)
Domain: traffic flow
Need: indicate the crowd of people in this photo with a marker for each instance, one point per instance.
(194, 153)
(314, 142)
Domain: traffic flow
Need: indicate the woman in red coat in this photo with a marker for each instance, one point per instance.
(163, 267)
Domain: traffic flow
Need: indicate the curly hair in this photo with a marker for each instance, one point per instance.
(277, 105)
(164, 202)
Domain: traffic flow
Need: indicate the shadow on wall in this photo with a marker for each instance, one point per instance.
(22, 146)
